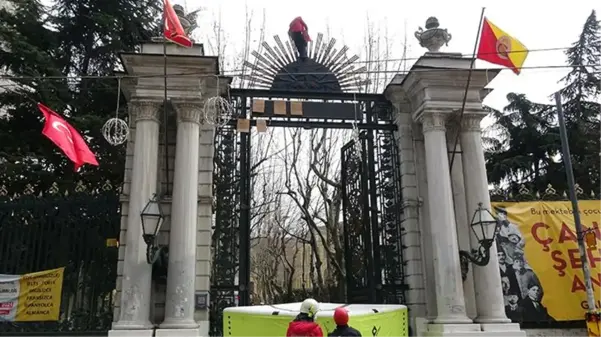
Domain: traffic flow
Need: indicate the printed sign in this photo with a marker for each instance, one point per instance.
(539, 260)
(31, 297)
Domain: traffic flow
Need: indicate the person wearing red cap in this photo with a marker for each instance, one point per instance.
(299, 33)
(342, 327)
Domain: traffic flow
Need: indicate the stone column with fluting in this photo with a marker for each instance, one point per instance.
(463, 220)
(137, 273)
(179, 307)
(489, 295)
(449, 287)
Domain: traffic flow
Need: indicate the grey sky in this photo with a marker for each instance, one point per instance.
(537, 24)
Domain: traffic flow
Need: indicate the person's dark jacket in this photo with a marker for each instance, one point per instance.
(303, 326)
(344, 331)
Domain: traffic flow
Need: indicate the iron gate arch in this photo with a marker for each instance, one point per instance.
(379, 197)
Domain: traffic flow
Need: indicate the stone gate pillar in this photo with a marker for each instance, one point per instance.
(135, 300)
(489, 295)
(462, 217)
(449, 288)
(179, 306)
(433, 93)
(181, 175)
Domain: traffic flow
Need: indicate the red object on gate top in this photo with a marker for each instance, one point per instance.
(173, 29)
(298, 25)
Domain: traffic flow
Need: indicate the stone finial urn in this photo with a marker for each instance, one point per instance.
(433, 38)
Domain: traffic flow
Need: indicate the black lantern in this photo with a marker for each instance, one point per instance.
(152, 218)
(485, 227)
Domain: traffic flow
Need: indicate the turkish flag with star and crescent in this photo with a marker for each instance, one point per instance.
(67, 138)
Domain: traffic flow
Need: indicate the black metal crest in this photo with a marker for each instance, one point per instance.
(326, 70)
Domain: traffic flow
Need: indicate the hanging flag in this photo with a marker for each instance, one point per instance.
(173, 29)
(67, 138)
(500, 48)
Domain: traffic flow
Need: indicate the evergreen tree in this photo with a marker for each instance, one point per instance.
(523, 143)
(520, 146)
(43, 43)
(580, 94)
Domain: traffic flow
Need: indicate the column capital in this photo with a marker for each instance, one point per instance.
(142, 109)
(471, 122)
(433, 121)
(188, 112)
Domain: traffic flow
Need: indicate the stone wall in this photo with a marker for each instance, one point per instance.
(204, 226)
(411, 237)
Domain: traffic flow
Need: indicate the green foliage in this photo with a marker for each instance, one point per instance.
(523, 145)
(69, 37)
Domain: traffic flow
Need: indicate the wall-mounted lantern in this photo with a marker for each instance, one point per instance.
(152, 218)
(485, 227)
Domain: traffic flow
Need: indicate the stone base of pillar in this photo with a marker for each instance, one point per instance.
(505, 329)
(480, 330)
(204, 327)
(178, 332)
(131, 333)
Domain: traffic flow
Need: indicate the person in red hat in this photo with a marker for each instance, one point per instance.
(299, 33)
(342, 327)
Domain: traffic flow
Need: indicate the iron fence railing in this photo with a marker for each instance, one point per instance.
(52, 229)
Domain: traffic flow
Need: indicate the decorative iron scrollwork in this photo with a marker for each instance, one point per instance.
(372, 207)
(388, 189)
(354, 221)
(225, 238)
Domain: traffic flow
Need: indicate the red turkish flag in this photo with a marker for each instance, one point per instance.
(67, 138)
(173, 29)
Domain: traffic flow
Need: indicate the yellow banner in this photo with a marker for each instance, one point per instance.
(31, 297)
(539, 259)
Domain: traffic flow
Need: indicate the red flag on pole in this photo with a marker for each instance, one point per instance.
(67, 138)
(173, 29)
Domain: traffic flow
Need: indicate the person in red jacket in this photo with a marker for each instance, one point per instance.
(304, 324)
(299, 33)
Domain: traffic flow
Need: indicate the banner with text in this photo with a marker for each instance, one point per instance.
(31, 297)
(539, 259)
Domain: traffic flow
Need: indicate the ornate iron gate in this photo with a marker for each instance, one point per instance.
(357, 236)
(319, 92)
(372, 219)
(55, 229)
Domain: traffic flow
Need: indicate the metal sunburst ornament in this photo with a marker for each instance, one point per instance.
(328, 68)
(218, 111)
(116, 130)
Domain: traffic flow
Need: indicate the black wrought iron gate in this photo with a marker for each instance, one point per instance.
(371, 196)
(322, 91)
(372, 219)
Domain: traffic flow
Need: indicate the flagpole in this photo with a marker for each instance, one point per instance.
(467, 87)
(567, 160)
(165, 101)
